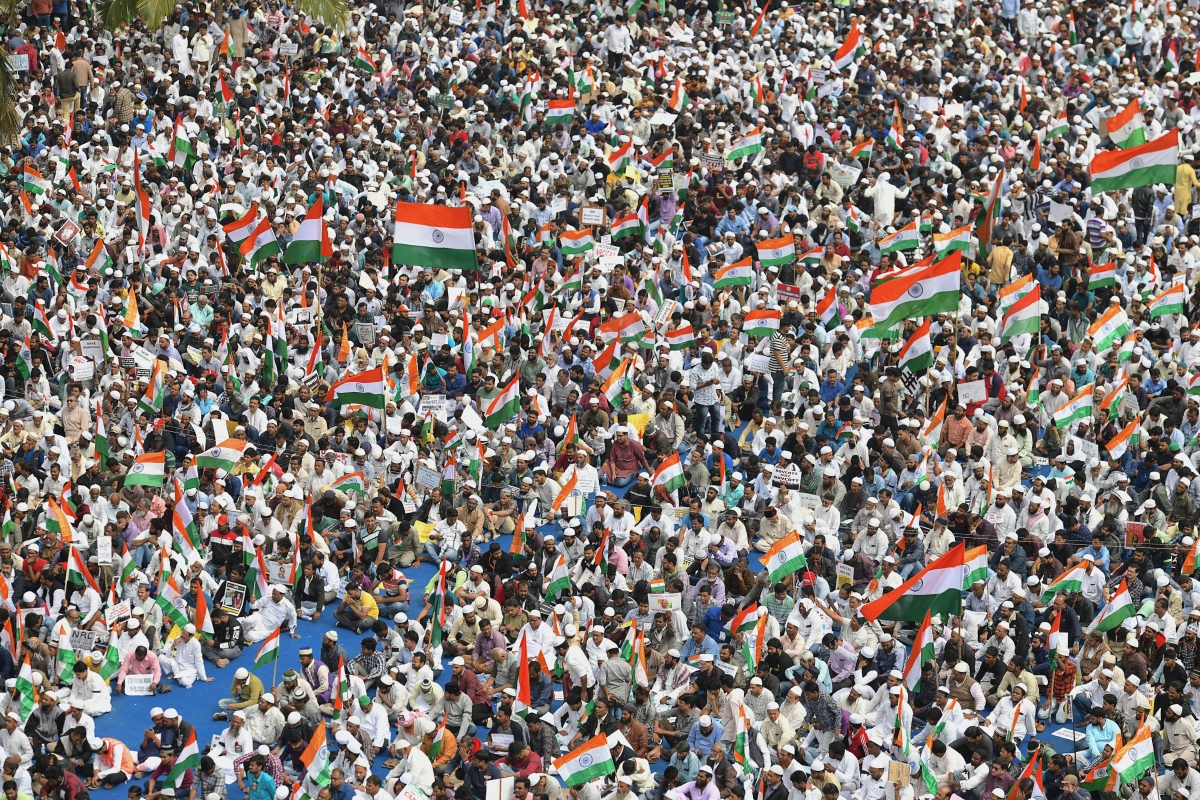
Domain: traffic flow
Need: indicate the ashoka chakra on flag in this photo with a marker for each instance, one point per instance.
(916, 290)
(138, 468)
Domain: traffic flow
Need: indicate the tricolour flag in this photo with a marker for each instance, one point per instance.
(1132, 761)
(937, 589)
(1119, 609)
(240, 229)
(762, 322)
(1109, 328)
(785, 557)
(1078, 407)
(740, 273)
(681, 338)
(147, 470)
(745, 620)
(975, 566)
(907, 238)
(1149, 163)
(32, 180)
(747, 145)
(366, 388)
(957, 239)
(574, 243)
(311, 242)
(679, 99)
(776, 252)
(587, 762)
(559, 579)
(922, 652)
(1127, 128)
(1129, 436)
(1169, 302)
(224, 455)
(669, 474)
(925, 292)
(504, 406)
(1010, 294)
(560, 112)
(917, 352)
(624, 226)
(268, 651)
(851, 48)
(1069, 581)
(1025, 316)
(433, 236)
(1059, 127)
(186, 759)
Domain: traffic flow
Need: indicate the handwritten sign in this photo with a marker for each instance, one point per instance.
(138, 685)
(757, 362)
(289, 49)
(104, 552)
(845, 575)
(115, 613)
(972, 392)
(456, 17)
(807, 500)
(428, 478)
(592, 215)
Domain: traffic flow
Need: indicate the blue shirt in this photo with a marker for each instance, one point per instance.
(261, 787)
(690, 648)
(698, 741)
(1100, 735)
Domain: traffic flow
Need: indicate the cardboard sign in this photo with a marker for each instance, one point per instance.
(605, 251)
(757, 362)
(91, 348)
(816, 77)
(789, 477)
(808, 500)
(456, 17)
(20, 62)
(428, 478)
(138, 685)
(593, 215)
(81, 369)
(899, 772)
(972, 392)
(83, 641)
(289, 49)
(845, 575)
(669, 601)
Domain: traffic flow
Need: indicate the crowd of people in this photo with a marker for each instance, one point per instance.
(643, 401)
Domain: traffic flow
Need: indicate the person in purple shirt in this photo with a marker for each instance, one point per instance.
(700, 789)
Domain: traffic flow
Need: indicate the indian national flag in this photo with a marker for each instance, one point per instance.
(1025, 316)
(681, 338)
(975, 566)
(1103, 275)
(187, 759)
(785, 556)
(669, 474)
(240, 229)
(957, 239)
(559, 580)
(365, 388)
(1109, 328)
(77, 571)
(933, 428)
(1126, 128)
(1059, 127)
(364, 62)
(1171, 59)
(851, 48)
(315, 757)
(312, 239)
(1169, 302)
(354, 482)
(268, 651)
(261, 244)
(776, 252)
(33, 182)
(907, 238)
(504, 406)
(574, 243)
(740, 273)
(922, 652)
(827, 306)
(99, 259)
(1149, 163)
(925, 292)
(1135, 757)
(862, 150)
(745, 620)
(1014, 291)
(917, 353)
(680, 99)
(1102, 778)
(747, 145)
(589, 761)
(560, 112)
(762, 322)
(619, 158)
(625, 225)
(813, 256)
(1069, 581)
(937, 589)
(1078, 407)
(437, 237)
(619, 381)
(1129, 436)
(223, 456)
(147, 470)
(1119, 609)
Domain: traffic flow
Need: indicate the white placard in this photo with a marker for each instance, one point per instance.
(104, 550)
(728, 669)
(808, 500)
(1084, 448)
(115, 613)
(456, 16)
(289, 49)
(1060, 212)
(138, 685)
(81, 368)
(972, 392)
(93, 349)
(500, 741)
(497, 788)
(83, 641)
(663, 118)
(437, 403)
(605, 251)
(929, 104)
(558, 204)
(789, 477)
(667, 601)
(20, 62)
(756, 362)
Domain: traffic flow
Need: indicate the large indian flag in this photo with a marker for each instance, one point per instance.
(438, 237)
(922, 651)
(1069, 581)
(747, 145)
(975, 566)
(1078, 407)
(925, 292)
(187, 759)
(366, 388)
(1126, 128)
(1010, 294)
(311, 242)
(1119, 609)
(589, 761)
(785, 556)
(505, 405)
(851, 48)
(1152, 162)
(907, 238)
(147, 470)
(1109, 328)
(1129, 436)
(776, 252)
(937, 589)
(917, 353)
(1025, 316)
(1169, 302)
(1135, 757)
(224, 456)
(669, 474)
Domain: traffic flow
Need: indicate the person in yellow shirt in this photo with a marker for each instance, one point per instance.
(357, 611)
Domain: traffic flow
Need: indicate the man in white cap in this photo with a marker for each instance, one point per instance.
(415, 763)
(270, 612)
(183, 660)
